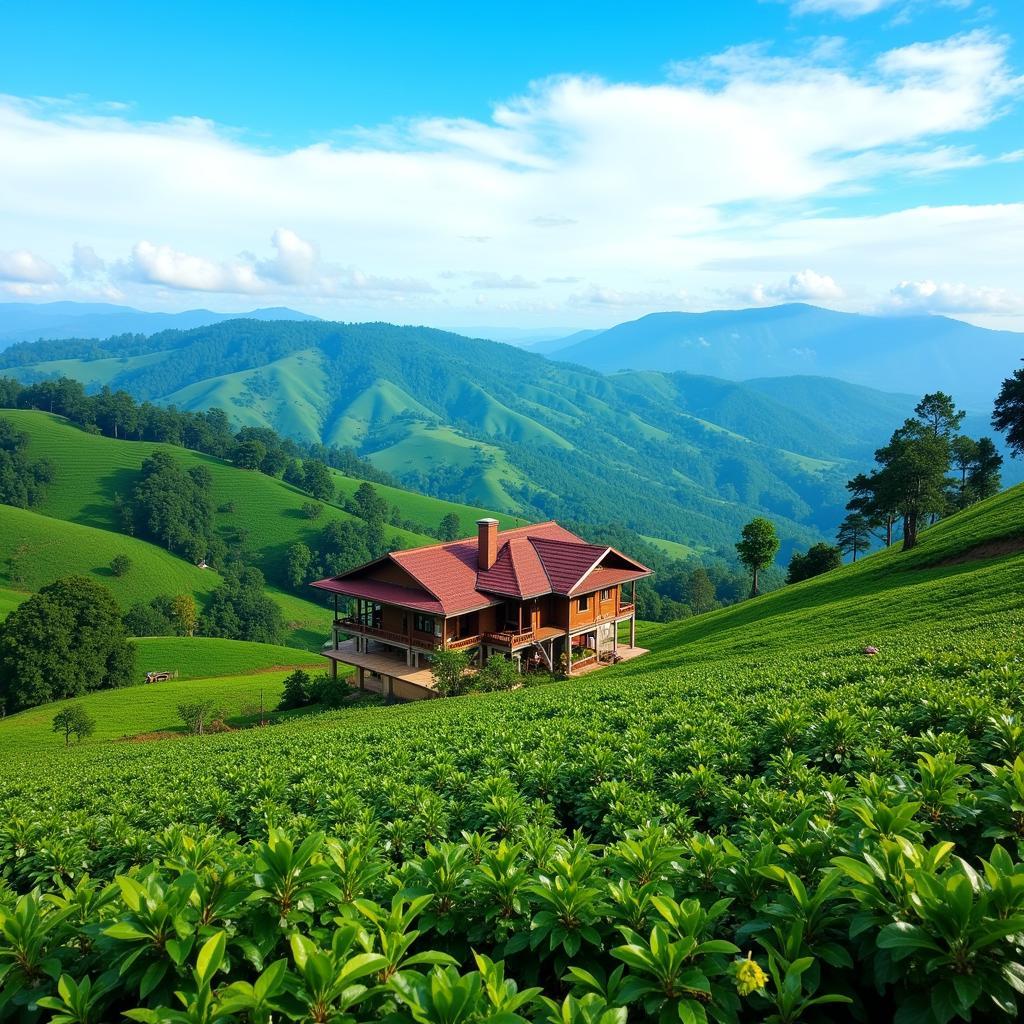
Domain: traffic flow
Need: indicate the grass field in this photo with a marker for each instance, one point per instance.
(202, 657)
(672, 548)
(231, 672)
(9, 600)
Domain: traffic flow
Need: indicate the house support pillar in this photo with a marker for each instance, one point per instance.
(334, 671)
(632, 629)
(362, 683)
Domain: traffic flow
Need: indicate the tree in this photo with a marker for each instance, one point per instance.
(819, 558)
(984, 478)
(296, 692)
(64, 641)
(75, 721)
(174, 507)
(449, 528)
(317, 480)
(240, 610)
(874, 504)
(963, 451)
(500, 673)
(700, 591)
(939, 414)
(198, 714)
(152, 619)
(368, 504)
(299, 561)
(23, 481)
(120, 565)
(1008, 414)
(448, 669)
(757, 548)
(854, 535)
(184, 613)
(249, 454)
(312, 509)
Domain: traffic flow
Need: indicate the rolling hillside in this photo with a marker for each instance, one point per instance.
(76, 528)
(922, 353)
(686, 458)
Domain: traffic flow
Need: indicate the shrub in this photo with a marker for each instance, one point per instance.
(120, 565)
(312, 509)
(448, 669)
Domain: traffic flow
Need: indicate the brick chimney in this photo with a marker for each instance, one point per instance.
(486, 542)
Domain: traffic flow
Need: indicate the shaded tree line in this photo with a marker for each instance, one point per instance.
(23, 480)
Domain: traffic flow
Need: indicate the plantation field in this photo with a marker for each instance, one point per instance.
(793, 832)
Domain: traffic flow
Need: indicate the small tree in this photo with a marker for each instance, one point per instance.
(700, 591)
(500, 673)
(317, 480)
(449, 528)
(120, 565)
(757, 548)
(298, 563)
(75, 721)
(197, 715)
(297, 691)
(854, 535)
(984, 478)
(312, 509)
(819, 558)
(184, 613)
(448, 669)
(1008, 414)
(963, 451)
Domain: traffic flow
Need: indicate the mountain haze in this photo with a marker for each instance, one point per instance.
(27, 321)
(912, 353)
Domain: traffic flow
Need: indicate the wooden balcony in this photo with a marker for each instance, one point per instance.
(625, 609)
(510, 638)
(419, 640)
(462, 643)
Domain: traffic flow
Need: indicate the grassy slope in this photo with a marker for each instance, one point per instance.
(889, 597)
(231, 672)
(9, 600)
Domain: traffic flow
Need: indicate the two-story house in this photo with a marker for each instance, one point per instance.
(537, 594)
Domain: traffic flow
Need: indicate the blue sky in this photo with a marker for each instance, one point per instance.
(526, 165)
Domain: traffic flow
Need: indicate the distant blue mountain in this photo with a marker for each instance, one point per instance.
(30, 321)
(910, 354)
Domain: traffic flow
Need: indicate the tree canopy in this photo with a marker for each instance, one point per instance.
(757, 548)
(66, 640)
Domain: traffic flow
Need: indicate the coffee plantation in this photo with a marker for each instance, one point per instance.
(756, 822)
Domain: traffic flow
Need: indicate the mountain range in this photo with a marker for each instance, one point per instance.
(680, 456)
(29, 321)
(906, 353)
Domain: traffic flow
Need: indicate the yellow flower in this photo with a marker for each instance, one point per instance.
(749, 976)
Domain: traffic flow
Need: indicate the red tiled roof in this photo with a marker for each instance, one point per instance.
(386, 593)
(531, 560)
(602, 578)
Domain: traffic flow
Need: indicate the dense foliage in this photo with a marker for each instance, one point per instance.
(62, 642)
(239, 609)
(624, 843)
(22, 480)
(819, 558)
(1008, 415)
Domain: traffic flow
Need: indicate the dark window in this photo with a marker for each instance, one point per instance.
(606, 595)
(426, 624)
(583, 603)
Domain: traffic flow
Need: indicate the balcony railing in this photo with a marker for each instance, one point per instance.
(625, 609)
(389, 635)
(462, 643)
(510, 638)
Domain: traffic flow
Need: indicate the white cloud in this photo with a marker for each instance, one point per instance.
(24, 267)
(160, 264)
(803, 286)
(591, 193)
(945, 297)
(843, 8)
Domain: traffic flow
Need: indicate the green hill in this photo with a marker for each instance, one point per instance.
(677, 456)
(233, 673)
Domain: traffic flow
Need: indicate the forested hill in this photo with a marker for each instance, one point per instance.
(671, 455)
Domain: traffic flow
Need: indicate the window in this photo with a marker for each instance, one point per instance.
(426, 624)
(583, 603)
(606, 595)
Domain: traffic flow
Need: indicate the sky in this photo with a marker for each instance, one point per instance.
(522, 165)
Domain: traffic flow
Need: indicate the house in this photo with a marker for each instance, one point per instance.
(537, 594)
